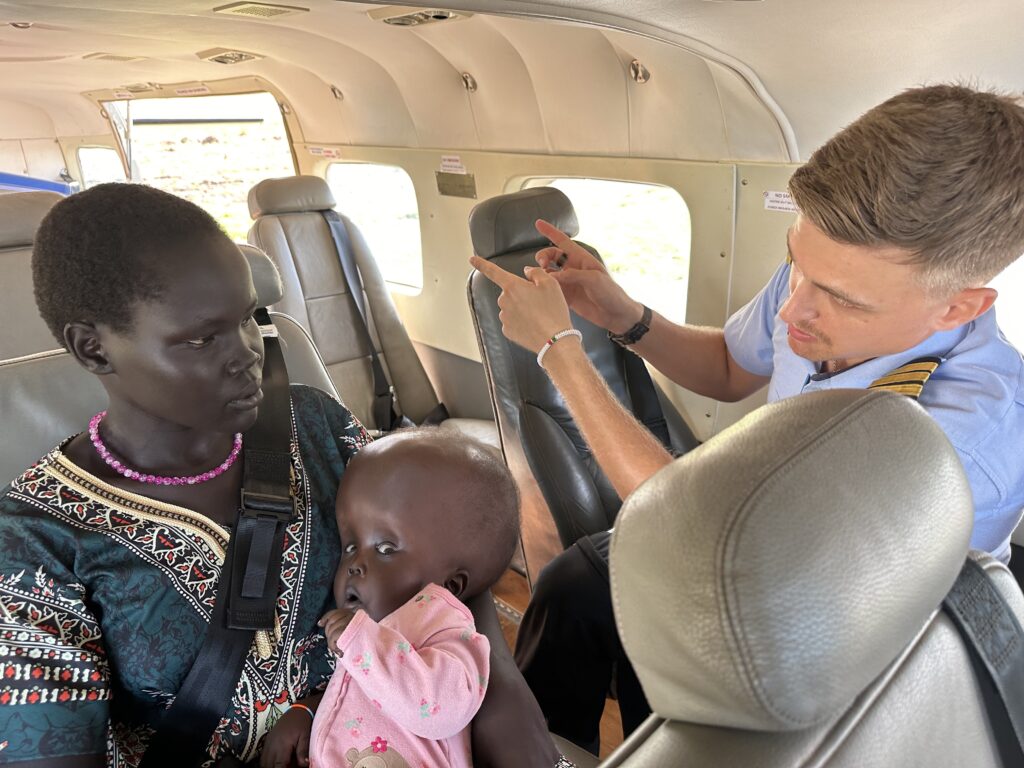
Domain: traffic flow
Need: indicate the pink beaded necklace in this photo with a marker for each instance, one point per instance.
(132, 474)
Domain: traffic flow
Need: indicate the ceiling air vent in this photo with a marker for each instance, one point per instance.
(121, 58)
(227, 56)
(259, 10)
(406, 16)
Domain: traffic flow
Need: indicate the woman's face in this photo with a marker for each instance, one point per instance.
(194, 357)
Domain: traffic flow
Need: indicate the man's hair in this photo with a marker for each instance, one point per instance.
(97, 252)
(937, 171)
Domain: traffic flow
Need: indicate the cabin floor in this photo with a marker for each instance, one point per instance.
(511, 595)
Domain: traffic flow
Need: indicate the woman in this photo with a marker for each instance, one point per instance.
(111, 545)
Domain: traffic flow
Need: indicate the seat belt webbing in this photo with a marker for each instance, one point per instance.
(384, 414)
(644, 398)
(247, 592)
(996, 641)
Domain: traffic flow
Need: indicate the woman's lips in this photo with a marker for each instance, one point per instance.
(247, 402)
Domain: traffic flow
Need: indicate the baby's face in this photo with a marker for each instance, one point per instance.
(393, 536)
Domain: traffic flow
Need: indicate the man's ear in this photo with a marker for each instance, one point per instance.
(964, 306)
(457, 582)
(83, 342)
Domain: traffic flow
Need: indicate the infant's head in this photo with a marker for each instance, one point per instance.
(422, 506)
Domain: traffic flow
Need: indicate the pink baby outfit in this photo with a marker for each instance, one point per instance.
(405, 690)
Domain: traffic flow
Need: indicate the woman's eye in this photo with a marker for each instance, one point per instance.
(349, 549)
(199, 343)
(386, 548)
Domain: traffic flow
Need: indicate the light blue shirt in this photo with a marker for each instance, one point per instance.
(976, 395)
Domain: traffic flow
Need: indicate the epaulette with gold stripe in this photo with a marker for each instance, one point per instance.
(908, 379)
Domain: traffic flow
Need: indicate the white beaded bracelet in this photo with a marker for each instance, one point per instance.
(550, 343)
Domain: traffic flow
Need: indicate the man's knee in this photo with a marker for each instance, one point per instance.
(570, 581)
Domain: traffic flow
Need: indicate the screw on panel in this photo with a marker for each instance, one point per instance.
(744, 182)
(639, 72)
(469, 81)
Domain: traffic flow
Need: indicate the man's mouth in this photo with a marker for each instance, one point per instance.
(798, 334)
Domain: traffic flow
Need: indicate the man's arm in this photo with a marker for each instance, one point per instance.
(532, 311)
(695, 358)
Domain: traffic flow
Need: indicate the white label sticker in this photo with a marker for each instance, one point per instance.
(124, 95)
(452, 164)
(324, 152)
(779, 201)
(192, 90)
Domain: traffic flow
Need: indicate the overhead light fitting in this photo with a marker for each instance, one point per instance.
(408, 16)
(227, 56)
(259, 10)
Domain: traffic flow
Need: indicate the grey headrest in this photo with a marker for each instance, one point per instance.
(506, 223)
(766, 578)
(292, 194)
(265, 276)
(20, 216)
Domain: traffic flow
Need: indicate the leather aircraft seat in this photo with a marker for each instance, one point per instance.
(47, 396)
(289, 226)
(22, 332)
(580, 497)
(777, 591)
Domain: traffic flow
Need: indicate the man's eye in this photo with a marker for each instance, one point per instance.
(386, 548)
(199, 343)
(247, 322)
(841, 302)
(349, 549)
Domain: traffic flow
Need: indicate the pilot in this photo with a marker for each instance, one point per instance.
(904, 217)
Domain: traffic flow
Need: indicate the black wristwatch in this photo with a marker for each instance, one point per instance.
(634, 334)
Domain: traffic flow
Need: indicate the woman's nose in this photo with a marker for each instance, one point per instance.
(245, 357)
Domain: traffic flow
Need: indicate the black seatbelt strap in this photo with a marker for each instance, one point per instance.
(384, 414)
(247, 593)
(644, 398)
(996, 642)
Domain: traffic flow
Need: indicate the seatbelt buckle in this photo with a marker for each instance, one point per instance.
(265, 506)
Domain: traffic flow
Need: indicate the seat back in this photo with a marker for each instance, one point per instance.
(580, 497)
(23, 332)
(47, 396)
(289, 226)
(777, 590)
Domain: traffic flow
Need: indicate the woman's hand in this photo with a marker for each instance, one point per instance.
(334, 623)
(287, 743)
(588, 288)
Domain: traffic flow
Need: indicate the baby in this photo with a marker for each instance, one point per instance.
(426, 520)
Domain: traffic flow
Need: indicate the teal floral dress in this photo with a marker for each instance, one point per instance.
(105, 598)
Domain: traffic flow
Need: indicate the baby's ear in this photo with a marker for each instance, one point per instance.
(457, 582)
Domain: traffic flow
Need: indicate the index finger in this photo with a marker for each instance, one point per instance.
(554, 234)
(494, 273)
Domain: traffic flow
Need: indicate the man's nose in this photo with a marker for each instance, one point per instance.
(799, 306)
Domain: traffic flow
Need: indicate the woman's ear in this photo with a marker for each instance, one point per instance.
(457, 583)
(83, 342)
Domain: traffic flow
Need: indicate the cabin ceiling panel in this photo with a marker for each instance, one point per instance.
(823, 63)
(753, 132)
(23, 121)
(504, 106)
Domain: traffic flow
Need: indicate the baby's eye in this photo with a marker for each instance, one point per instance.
(386, 548)
(349, 549)
(199, 343)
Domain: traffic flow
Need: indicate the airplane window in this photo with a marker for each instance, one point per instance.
(642, 232)
(99, 165)
(381, 201)
(208, 149)
(1010, 304)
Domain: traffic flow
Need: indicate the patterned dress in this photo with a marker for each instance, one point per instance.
(105, 597)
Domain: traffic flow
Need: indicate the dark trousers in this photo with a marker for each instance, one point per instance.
(568, 648)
